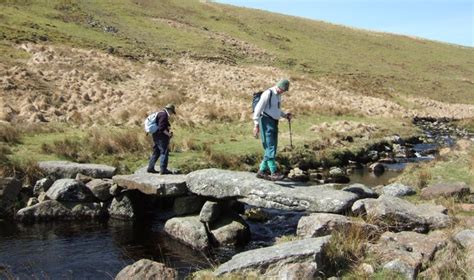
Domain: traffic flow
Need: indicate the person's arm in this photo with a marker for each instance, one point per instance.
(287, 115)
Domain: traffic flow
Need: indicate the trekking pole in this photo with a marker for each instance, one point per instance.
(291, 136)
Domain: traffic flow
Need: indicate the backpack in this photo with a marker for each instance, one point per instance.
(256, 98)
(150, 123)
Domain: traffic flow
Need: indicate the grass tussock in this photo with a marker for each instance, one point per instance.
(26, 171)
(286, 238)
(129, 141)
(9, 134)
(467, 124)
(346, 249)
(449, 263)
(98, 143)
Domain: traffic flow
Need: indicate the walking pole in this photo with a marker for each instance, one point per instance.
(291, 136)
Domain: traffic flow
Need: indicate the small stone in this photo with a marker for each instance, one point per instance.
(367, 268)
(32, 201)
(42, 185)
(398, 190)
(147, 269)
(256, 214)
(210, 212)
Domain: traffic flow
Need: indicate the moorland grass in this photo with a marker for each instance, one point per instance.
(222, 145)
(371, 63)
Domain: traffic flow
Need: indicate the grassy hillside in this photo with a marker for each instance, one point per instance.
(367, 62)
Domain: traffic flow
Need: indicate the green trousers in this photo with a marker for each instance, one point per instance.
(269, 136)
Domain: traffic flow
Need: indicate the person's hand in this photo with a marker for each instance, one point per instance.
(256, 131)
(289, 116)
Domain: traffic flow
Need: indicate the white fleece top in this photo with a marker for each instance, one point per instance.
(273, 110)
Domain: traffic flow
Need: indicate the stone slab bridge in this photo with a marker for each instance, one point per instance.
(244, 187)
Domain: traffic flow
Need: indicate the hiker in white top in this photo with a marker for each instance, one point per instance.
(266, 115)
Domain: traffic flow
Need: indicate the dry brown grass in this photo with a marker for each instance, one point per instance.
(9, 134)
(449, 263)
(424, 176)
(223, 92)
(70, 149)
(346, 249)
(98, 143)
(105, 142)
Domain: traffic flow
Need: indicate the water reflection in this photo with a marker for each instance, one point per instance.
(89, 250)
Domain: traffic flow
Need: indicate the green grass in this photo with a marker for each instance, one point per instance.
(225, 145)
(367, 62)
(456, 167)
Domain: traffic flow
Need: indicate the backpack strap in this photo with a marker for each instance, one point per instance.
(270, 98)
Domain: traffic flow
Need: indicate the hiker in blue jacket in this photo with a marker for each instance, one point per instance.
(266, 116)
(161, 140)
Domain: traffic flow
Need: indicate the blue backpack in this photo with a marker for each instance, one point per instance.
(150, 123)
(256, 98)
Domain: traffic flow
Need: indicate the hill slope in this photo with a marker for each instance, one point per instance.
(224, 51)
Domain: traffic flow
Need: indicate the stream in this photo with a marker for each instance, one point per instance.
(99, 250)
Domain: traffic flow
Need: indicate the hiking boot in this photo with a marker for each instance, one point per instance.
(152, 171)
(276, 176)
(165, 172)
(262, 175)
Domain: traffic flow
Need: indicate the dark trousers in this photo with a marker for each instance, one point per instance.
(161, 151)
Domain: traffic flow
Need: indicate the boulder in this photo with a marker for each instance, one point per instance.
(70, 190)
(398, 214)
(115, 190)
(321, 224)
(361, 191)
(222, 184)
(336, 172)
(52, 210)
(122, 207)
(154, 184)
(210, 212)
(147, 270)
(272, 261)
(407, 252)
(67, 169)
(100, 188)
(465, 238)
(42, 185)
(457, 190)
(83, 178)
(186, 205)
(298, 271)
(398, 190)
(88, 210)
(230, 231)
(189, 230)
(297, 174)
(44, 211)
(9, 190)
(377, 168)
(337, 175)
(401, 267)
